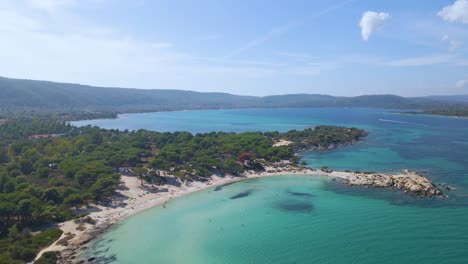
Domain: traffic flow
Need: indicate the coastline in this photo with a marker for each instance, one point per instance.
(118, 114)
(133, 198)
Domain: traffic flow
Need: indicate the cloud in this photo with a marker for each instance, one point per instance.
(370, 22)
(281, 30)
(452, 44)
(12, 21)
(458, 12)
(462, 83)
(51, 6)
(421, 61)
(84, 54)
(275, 32)
(95, 55)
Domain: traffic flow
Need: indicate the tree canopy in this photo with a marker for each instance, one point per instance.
(43, 179)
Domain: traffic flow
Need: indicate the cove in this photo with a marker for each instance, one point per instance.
(335, 224)
(274, 226)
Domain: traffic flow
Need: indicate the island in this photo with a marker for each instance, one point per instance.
(82, 180)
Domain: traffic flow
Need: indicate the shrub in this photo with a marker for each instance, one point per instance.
(49, 257)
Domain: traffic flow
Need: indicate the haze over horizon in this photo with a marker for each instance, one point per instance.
(340, 48)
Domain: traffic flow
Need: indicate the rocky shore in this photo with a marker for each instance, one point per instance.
(409, 182)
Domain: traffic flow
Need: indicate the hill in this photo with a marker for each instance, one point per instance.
(29, 94)
(52, 97)
(449, 98)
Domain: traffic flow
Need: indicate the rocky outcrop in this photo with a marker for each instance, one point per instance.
(409, 182)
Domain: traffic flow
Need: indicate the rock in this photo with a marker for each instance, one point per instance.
(407, 182)
(415, 188)
(90, 220)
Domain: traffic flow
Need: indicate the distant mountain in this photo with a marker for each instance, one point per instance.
(42, 96)
(29, 94)
(449, 98)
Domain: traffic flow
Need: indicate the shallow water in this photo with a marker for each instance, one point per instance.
(303, 219)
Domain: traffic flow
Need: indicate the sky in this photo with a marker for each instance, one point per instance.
(249, 47)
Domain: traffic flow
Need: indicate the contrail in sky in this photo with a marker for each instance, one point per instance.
(278, 31)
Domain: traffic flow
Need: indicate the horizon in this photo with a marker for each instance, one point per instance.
(260, 96)
(338, 48)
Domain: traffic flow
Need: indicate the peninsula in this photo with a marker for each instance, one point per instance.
(88, 178)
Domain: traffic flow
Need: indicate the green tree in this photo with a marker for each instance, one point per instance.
(43, 172)
(13, 233)
(141, 173)
(26, 166)
(53, 195)
(9, 187)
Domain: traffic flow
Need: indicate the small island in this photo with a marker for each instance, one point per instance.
(88, 178)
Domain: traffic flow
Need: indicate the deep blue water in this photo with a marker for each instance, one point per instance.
(433, 144)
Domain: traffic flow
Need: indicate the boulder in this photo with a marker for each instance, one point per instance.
(415, 188)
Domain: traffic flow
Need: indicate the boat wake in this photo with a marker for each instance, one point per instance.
(400, 122)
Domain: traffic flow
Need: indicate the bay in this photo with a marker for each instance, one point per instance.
(335, 223)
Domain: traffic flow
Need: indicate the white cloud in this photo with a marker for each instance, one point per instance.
(33, 46)
(94, 55)
(51, 6)
(370, 22)
(421, 61)
(12, 21)
(83, 54)
(462, 83)
(452, 44)
(458, 12)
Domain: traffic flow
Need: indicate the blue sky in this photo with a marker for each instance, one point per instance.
(337, 47)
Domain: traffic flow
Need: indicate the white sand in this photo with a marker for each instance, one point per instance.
(135, 198)
(282, 142)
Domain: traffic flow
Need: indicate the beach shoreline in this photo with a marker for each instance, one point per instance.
(132, 198)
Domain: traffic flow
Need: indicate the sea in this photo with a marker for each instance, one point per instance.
(303, 219)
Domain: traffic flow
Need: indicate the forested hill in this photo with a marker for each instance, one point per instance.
(29, 95)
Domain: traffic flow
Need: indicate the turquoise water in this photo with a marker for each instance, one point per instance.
(334, 224)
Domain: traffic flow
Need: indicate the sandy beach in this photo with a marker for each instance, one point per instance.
(132, 197)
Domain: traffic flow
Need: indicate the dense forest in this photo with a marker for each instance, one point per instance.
(72, 101)
(43, 178)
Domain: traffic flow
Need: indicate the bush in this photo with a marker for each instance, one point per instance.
(28, 254)
(49, 257)
(74, 199)
(5, 258)
(25, 249)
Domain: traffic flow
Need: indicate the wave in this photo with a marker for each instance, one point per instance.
(400, 122)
